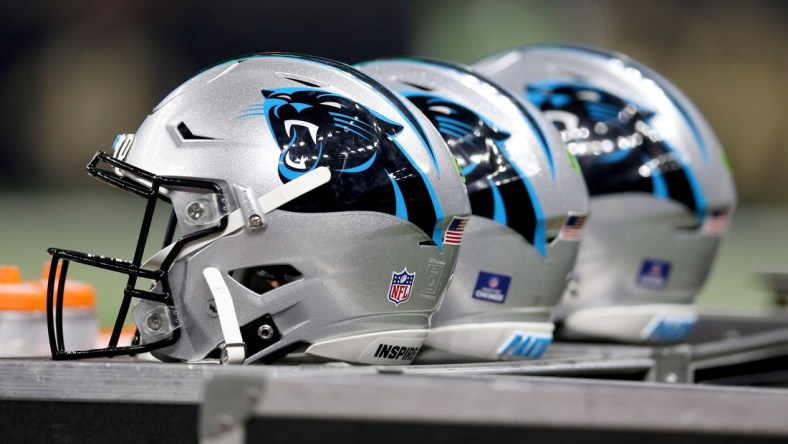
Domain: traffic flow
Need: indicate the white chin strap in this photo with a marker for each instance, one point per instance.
(234, 351)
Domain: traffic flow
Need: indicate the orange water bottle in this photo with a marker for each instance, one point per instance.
(23, 323)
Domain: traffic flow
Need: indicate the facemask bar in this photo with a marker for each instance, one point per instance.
(151, 187)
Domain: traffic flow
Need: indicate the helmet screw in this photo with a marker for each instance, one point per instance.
(154, 322)
(195, 211)
(255, 221)
(210, 308)
(265, 332)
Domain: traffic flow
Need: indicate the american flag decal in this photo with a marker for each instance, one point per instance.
(453, 234)
(716, 222)
(573, 227)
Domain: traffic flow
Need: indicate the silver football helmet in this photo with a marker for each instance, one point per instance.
(312, 206)
(528, 205)
(661, 189)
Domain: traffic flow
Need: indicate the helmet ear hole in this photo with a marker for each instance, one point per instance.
(262, 279)
(186, 133)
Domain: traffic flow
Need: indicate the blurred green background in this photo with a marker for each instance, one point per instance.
(75, 74)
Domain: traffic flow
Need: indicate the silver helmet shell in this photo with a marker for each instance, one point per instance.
(661, 189)
(524, 192)
(340, 272)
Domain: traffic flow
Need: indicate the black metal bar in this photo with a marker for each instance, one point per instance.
(61, 287)
(53, 340)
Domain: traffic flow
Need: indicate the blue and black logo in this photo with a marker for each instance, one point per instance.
(491, 287)
(369, 170)
(497, 188)
(654, 273)
(615, 144)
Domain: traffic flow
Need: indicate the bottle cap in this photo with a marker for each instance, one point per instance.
(18, 295)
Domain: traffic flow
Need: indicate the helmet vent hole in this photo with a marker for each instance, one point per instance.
(304, 82)
(186, 133)
(266, 278)
(417, 86)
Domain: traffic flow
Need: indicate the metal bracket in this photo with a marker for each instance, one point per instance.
(672, 364)
(228, 402)
(253, 214)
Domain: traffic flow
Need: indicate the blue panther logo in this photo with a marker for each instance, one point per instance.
(369, 170)
(617, 148)
(496, 188)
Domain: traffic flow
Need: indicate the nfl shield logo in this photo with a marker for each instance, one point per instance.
(401, 284)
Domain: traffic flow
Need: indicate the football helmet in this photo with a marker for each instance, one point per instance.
(661, 189)
(527, 201)
(309, 207)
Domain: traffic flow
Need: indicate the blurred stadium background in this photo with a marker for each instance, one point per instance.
(75, 74)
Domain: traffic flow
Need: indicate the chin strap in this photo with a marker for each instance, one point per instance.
(234, 351)
(235, 221)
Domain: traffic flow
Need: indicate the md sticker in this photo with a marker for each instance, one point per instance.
(433, 279)
(654, 273)
(401, 286)
(492, 287)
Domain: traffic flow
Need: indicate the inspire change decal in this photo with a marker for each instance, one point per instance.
(654, 273)
(492, 287)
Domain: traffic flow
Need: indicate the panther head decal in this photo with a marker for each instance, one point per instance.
(615, 144)
(370, 171)
(496, 187)
(315, 127)
(474, 141)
